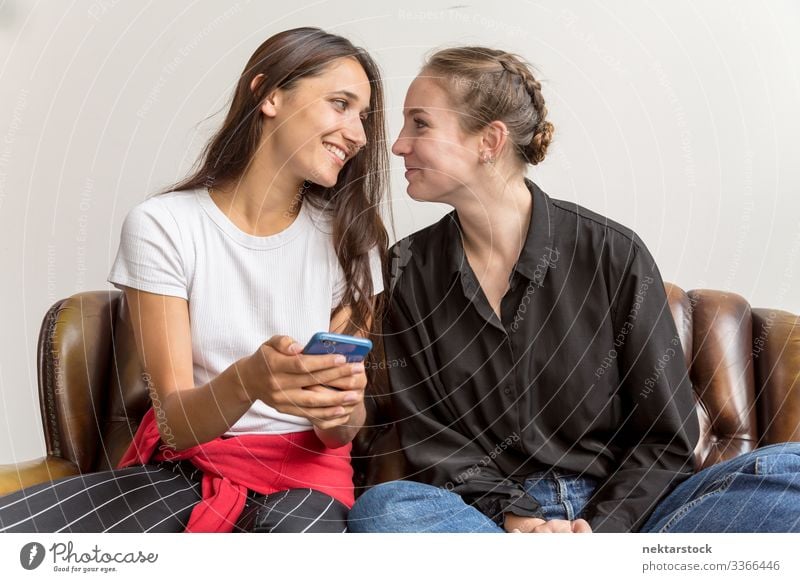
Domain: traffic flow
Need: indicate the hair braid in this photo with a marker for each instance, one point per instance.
(543, 130)
(495, 85)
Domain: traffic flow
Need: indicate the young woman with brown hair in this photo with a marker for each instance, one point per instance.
(226, 275)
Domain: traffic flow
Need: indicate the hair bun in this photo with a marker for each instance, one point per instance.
(537, 149)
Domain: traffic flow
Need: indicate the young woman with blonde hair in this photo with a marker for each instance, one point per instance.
(545, 388)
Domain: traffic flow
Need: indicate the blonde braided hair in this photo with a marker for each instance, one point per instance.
(492, 85)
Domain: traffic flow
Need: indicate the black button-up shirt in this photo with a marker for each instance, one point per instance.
(583, 371)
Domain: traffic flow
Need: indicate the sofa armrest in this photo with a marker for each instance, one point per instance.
(17, 476)
(74, 354)
(776, 355)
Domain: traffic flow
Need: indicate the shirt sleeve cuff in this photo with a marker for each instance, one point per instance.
(608, 524)
(495, 507)
(523, 505)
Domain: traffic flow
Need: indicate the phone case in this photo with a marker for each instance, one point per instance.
(355, 349)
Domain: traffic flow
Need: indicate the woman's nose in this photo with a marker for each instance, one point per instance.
(356, 135)
(401, 146)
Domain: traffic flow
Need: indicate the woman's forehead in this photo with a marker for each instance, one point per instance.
(426, 92)
(343, 75)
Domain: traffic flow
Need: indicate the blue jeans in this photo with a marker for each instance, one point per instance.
(755, 492)
(407, 506)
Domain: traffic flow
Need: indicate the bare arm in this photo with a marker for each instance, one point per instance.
(190, 414)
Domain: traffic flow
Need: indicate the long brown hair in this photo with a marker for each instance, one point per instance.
(354, 201)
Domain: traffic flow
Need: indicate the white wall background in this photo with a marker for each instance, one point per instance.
(679, 119)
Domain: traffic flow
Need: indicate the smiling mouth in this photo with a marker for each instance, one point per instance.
(336, 152)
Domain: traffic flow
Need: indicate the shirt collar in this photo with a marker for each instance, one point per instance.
(538, 253)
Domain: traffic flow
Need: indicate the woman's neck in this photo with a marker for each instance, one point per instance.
(495, 222)
(264, 200)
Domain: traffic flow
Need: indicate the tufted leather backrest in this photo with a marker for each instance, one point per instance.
(776, 356)
(744, 365)
(128, 397)
(716, 333)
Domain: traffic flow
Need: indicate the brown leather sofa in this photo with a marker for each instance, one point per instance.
(744, 363)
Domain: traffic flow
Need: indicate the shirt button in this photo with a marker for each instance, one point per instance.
(506, 390)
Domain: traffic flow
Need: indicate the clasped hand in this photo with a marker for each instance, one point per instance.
(517, 524)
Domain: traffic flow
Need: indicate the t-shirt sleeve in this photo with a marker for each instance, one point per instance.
(376, 270)
(149, 257)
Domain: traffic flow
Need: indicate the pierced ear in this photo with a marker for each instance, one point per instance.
(494, 138)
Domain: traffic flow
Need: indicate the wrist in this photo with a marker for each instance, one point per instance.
(242, 380)
(333, 437)
(345, 431)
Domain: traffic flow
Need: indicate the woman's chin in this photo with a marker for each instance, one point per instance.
(419, 194)
(327, 181)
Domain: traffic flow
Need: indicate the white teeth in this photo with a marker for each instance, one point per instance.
(339, 153)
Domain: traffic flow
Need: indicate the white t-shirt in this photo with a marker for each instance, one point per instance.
(241, 289)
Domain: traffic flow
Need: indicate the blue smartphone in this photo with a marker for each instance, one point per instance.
(355, 349)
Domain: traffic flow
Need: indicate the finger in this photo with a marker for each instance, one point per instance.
(305, 364)
(326, 424)
(533, 523)
(354, 382)
(326, 398)
(563, 526)
(348, 406)
(299, 364)
(316, 415)
(330, 413)
(349, 397)
(554, 526)
(328, 376)
(581, 526)
(285, 345)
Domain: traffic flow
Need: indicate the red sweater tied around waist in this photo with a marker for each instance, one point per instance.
(263, 463)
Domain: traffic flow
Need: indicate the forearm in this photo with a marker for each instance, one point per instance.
(198, 415)
(338, 436)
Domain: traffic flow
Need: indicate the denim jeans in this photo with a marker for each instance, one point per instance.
(407, 506)
(755, 492)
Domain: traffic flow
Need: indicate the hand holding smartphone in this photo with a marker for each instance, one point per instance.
(355, 349)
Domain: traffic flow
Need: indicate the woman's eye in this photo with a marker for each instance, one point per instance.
(341, 104)
(419, 124)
